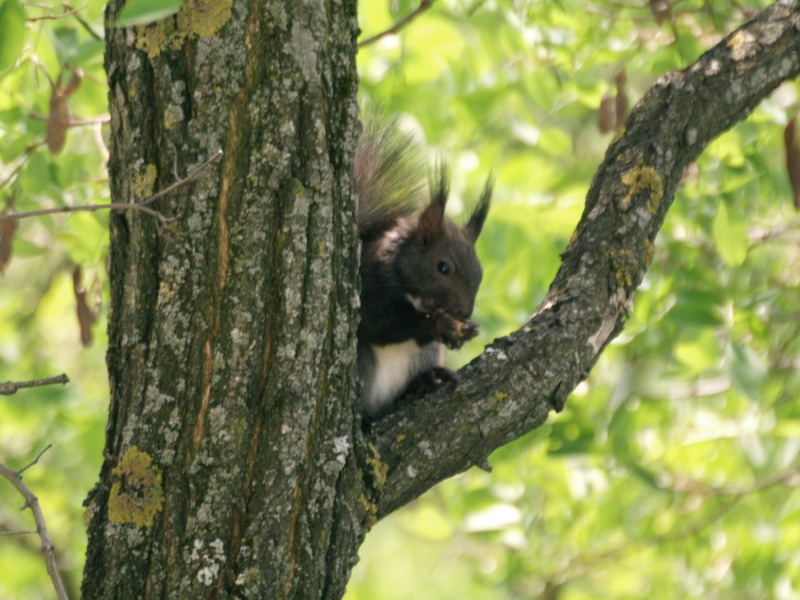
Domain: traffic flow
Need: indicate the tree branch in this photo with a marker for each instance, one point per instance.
(34, 461)
(68, 13)
(423, 6)
(140, 206)
(7, 388)
(510, 389)
(32, 502)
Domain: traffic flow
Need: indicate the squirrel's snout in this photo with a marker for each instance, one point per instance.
(461, 310)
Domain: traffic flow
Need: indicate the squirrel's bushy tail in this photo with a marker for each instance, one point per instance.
(390, 176)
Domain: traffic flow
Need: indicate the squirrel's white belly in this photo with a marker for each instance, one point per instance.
(395, 366)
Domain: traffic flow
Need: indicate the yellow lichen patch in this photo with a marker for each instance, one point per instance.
(196, 18)
(623, 277)
(88, 513)
(379, 468)
(204, 18)
(497, 398)
(136, 495)
(742, 44)
(642, 179)
(624, 264)
(649, 250)
(370, 511)
(144, 183)
(172, 116)
(153, 38)
(165, 292)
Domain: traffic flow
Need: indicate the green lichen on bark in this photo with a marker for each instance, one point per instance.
(144, 182)
(642, 179)
(196, 18)
(136, 495)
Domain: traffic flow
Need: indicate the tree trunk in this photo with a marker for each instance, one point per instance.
(228, 467)
(235, 463)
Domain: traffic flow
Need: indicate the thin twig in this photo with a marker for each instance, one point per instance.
(423, 6)
(79, 18)
(27, 154)
(61, 16)
(686, 485)
(87, 207)
(32, 502)
(34, 461)
(75, 122)
(81, 122)
(141, 206)
(32, 544)
(2, 533)
(8, 388)
(183, 181)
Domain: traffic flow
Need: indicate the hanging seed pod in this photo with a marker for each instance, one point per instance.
(606, 116)
(793, 160)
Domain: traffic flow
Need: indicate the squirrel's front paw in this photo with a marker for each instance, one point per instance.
(431, 380)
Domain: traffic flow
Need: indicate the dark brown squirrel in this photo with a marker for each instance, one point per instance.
(419, 270)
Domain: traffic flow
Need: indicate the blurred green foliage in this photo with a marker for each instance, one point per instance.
(673, 471)
(39, 332)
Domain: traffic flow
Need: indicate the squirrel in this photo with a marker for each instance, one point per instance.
(419, 270)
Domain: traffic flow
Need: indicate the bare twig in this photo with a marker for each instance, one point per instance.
(61, 16)
(141, 205)
(687, 485)
(32, 502)
(13, 532)
(87, 207)
(183, 181)
(79, 18)
(102, 119)
(8, 388)
(423, 6)
(35, 460)
(26, 156)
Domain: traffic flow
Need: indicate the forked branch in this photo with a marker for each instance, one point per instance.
(510, 389)
(32, 502)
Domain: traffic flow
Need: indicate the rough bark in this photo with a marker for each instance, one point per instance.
(232, 336)
(235, 464)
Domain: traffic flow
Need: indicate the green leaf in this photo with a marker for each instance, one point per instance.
(688, 47)
(746, 370)
(26, 249)
(730, 236)
(555, 142)
(140, 12)
(85, 238)
(12, 32)
(696, 308)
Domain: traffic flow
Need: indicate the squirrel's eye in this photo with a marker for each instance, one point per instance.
(444, 267)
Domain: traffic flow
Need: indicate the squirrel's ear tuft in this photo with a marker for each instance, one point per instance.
(431, 219)
(473, 227)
